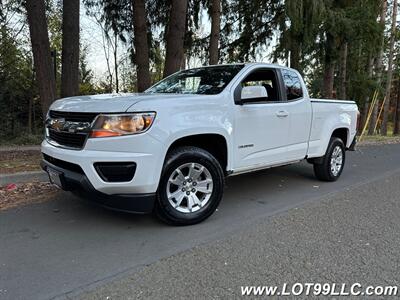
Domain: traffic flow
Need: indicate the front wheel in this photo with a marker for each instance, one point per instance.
(331, 166)
(190, 188)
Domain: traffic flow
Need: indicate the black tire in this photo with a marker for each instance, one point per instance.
(176, 158)
(322, 168)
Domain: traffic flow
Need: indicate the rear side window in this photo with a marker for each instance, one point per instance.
(292, 84)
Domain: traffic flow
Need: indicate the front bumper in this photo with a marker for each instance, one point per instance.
(79, 183)
(79, 172)
(147, 155)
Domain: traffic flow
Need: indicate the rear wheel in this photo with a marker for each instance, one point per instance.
(331, 166)
(190, 188)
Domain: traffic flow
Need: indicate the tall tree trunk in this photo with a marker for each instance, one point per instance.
(295, 55)
(329, 75)
(287, 58)
(396, 129)
(329, 70)
(41, 52)
(70, 49)
(116, 62)
(175, 37)
(343, 72)
(183, 64)
(141, 45)
(215, 31)
(390, 71)
(364, 113)
(30, 104)
(33, 117)
(378, 65)
(12, 110)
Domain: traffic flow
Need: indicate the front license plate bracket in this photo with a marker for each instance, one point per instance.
(55, 177)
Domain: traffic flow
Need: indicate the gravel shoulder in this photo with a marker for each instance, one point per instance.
(374, 140)
(346, 238)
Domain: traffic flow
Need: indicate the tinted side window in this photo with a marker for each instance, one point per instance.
(292, 85)
(265, 78)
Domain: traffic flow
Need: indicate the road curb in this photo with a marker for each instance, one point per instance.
(23, 177)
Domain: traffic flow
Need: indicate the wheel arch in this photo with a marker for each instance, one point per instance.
(343, 133)
(214, 143)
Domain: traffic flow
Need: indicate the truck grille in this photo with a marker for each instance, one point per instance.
(74, 140)
(63, 133)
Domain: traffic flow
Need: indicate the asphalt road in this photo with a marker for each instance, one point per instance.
(347, 238)
(63, 248)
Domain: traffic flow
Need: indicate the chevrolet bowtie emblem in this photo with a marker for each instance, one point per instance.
(67, 126)
(56, 124)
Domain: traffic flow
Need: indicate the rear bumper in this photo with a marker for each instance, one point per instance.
(79, 183)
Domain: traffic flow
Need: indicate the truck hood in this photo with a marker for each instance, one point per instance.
(110, 102)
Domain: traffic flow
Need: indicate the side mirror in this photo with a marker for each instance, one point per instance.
(253, 93)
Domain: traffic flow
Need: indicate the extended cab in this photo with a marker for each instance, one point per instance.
(169, 149)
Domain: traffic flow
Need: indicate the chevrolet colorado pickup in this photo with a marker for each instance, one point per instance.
(169, 149)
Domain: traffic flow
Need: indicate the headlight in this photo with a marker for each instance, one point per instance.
(122, 124)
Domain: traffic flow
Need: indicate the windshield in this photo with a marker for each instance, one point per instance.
(204, 81)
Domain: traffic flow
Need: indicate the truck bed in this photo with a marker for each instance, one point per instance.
(326, 114)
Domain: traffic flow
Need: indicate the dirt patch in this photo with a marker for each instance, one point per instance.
(14, 195)
(19, 161)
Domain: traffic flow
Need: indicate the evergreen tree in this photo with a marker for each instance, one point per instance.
(41, 52)
(70, 49)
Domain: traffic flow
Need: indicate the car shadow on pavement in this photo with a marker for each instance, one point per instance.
(248, 187)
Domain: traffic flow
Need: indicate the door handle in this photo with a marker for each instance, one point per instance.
(282, 114)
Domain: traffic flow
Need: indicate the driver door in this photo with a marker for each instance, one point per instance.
(261, 126)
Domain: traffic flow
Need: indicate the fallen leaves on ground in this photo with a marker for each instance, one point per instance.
(19, 161)
(13, 195)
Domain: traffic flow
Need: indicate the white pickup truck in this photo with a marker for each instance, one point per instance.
(169, 149)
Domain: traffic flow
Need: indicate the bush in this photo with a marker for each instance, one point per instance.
(24, 139)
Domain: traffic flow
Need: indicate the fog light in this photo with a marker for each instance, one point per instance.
(116, 171)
